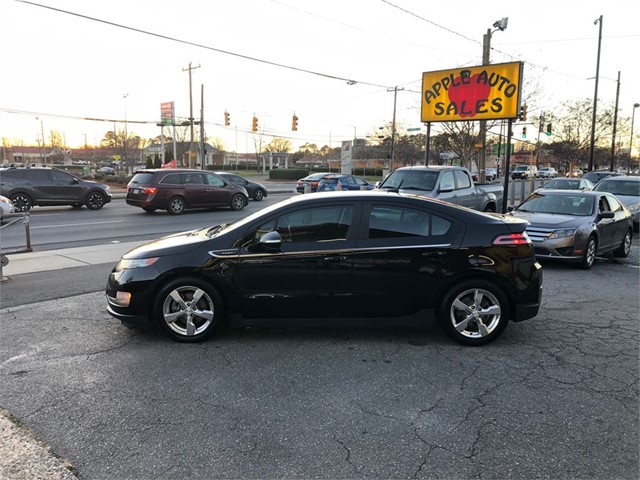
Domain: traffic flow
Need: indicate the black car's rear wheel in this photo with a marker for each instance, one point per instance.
(95, 201)
(22, 202)
(474, 312)
(259, 195)
(176, 206)
(238, 202)
(188, 309)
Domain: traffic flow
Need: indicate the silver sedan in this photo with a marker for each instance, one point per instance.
(575, 226)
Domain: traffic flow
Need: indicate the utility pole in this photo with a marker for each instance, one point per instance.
(203, 154)
(615, 124)
(486, 49)
(538, 140)
(190, 68)
(393, 125)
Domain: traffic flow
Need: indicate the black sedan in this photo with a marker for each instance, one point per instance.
(366, 255)
(575, 226)
(256, 190)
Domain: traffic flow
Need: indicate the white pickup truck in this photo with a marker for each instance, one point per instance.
(452, 184)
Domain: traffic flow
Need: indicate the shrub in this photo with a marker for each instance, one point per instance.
(288, 173)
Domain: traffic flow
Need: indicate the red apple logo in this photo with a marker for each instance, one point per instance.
(469, 95)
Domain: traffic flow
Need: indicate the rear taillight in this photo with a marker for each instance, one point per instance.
(512, 239)
(150, 190)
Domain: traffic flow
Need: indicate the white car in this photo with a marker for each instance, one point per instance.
(6, 206)
(547, 172)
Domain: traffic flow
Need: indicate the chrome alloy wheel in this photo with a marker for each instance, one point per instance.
(475, 313)
(188, 310)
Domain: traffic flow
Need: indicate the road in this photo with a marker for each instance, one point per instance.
(64, 227)
(554, 397)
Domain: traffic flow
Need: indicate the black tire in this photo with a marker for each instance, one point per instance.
(474, 312)
(182, 321)
(95, 201)
(589, 255)
(238, 202)
(625, 247)
(490, 208)
(176, 205)
(22, 202)
(149, 210)
(259, 195)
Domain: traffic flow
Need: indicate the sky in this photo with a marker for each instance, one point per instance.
(334, 63)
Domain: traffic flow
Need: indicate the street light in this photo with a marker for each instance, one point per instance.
(595, 96)
(633, 116)
(125, 95)
(44, 162)
(499, 25)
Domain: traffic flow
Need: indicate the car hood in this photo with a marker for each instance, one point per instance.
(550, 219)
(175, 244)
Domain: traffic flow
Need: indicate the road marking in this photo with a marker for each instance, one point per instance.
(77, 224)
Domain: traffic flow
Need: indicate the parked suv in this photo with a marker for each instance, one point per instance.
(524, 171)
(30, 186)
(177, 190)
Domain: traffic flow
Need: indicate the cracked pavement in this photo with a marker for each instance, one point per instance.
(555, 397)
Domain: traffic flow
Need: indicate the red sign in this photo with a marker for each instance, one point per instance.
(171, 164)
(167, 113)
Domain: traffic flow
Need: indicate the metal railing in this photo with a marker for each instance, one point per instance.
(15, 219)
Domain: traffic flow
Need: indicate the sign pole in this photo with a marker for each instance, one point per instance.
(427, 143)
(507, 168)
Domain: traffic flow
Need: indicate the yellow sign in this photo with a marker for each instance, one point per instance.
(485, 92)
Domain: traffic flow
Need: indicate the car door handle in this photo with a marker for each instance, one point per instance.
(434, 254)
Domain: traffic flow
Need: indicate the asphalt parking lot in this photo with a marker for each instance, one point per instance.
(555, 397)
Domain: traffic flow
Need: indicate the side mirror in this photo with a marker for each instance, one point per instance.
(75, 181)
(447, 187)
(269, 242)
(607, 214)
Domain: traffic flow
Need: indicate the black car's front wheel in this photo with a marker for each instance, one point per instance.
(474, 312)
(22, 202)
(95, 201)
(625, 247)
(259, 195)
(188, 310)
(589, 255)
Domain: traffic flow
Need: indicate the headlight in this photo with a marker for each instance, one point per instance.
(633, 207)
(137, 263)
(566, 232)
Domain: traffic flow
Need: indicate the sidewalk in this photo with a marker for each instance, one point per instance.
(21, 263)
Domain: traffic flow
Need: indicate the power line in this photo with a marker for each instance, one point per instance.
(350, 81)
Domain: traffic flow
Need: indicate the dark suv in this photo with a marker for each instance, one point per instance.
(30, 186)
(177, 190)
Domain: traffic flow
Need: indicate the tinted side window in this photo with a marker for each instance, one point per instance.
(11, 174)
(192, 179)
(62, 177)
(215, 180)
(398, 222)
(462, 179)
(171, 179)
(321, 224)
(143, 178)
(38, 175)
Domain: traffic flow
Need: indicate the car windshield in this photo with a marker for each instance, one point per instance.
(578, 205)
(411, 180)
(629, 188)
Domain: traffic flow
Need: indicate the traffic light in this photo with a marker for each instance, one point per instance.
(254, 126)
(227, 121)
(548, 129)
(294, 123)
(523, 113)
(524, 132)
